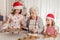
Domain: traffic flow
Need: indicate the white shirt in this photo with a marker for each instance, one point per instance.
(15, 20)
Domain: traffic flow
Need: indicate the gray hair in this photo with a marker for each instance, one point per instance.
(35, 8)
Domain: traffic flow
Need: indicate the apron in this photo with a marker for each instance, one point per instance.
(32, 24)
(50, 30)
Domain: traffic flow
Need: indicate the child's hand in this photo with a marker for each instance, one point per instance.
(48, 33)
(56, 32)
(44, 33)
(22, 23)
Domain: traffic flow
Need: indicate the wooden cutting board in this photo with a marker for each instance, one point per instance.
(28, 38)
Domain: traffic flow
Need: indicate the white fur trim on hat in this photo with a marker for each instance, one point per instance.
(18, 7)
(50, 18)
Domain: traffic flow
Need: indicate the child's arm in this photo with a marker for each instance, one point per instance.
(22, 22)
(44, 30)
(5, 24)
(56, 29)
(8, 18)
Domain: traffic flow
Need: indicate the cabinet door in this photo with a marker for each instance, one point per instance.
(3, 8)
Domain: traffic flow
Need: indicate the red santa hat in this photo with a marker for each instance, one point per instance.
(50, 16)
(17, 5)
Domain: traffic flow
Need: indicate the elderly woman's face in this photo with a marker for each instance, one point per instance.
(32, 12)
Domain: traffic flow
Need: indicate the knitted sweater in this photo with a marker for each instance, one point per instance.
(38, 25)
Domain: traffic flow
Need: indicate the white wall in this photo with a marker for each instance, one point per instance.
(58, 14)
(9, 6)
(6, 7)
(44, 7)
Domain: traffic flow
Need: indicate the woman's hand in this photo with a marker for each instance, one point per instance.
(34, 30)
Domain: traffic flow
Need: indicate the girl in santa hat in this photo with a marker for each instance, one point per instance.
(50, 29)
(15, 18)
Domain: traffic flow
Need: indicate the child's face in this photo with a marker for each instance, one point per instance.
(17, 11)
(32, 12)
(48, 21)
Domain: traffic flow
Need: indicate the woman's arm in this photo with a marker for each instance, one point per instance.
(40, 25)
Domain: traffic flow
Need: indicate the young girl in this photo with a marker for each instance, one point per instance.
(15, 18)
(50, 29)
